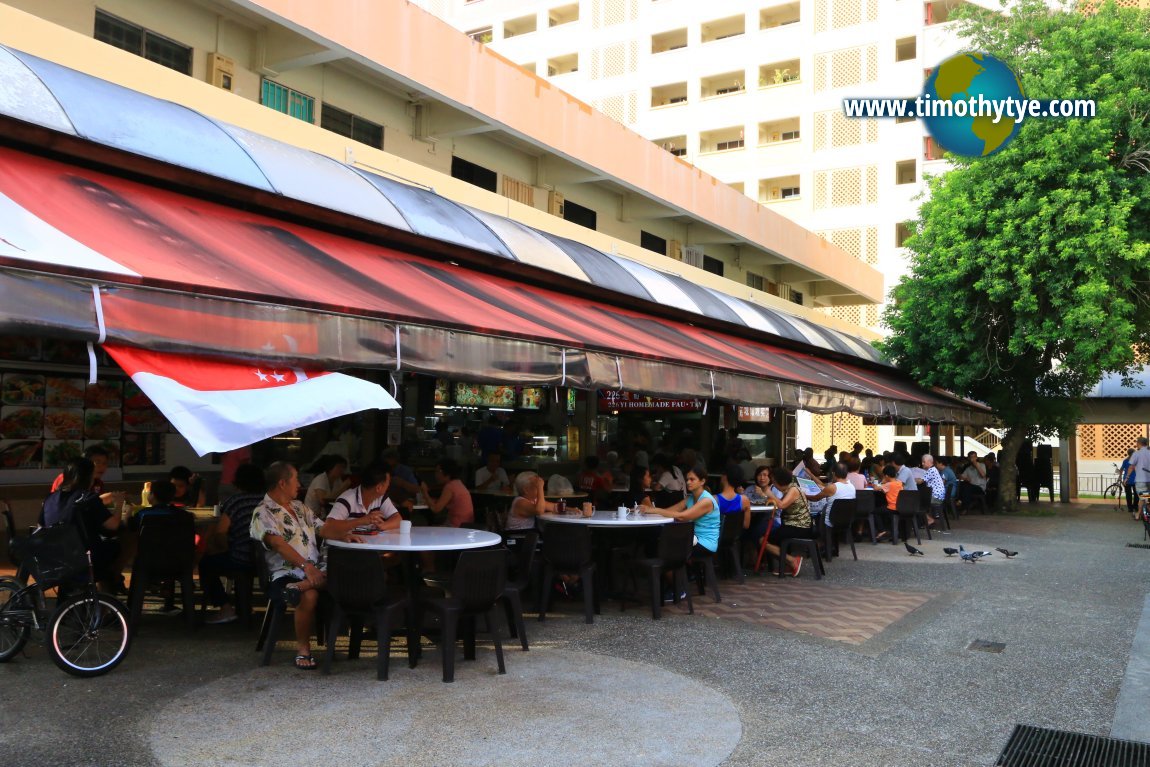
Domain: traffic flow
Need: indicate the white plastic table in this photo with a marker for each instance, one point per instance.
(607, 519)
(423, 539)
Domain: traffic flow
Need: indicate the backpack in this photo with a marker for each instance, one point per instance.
(59, 508)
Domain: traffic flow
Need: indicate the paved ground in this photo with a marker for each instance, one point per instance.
(779, 673)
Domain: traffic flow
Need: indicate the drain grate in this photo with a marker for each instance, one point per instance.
(1138, 545)
(983, 645)
(1031, 746)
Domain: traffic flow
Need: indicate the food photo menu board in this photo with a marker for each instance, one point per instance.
(47, 419)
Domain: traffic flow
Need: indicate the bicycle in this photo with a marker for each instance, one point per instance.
(86, 633)
(1117, 489)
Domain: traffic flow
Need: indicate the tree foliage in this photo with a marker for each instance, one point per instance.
(1028, 276)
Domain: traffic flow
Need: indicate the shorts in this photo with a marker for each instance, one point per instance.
(1142, 487)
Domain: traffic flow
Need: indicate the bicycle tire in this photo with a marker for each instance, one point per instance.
(14, 626)
(88, 634)
(1115, 490)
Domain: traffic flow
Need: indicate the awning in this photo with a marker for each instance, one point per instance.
(178, 273)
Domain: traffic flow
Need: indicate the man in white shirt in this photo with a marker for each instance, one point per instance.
(365, 505)
(1140, 467)
(973, 480)
(492, 477)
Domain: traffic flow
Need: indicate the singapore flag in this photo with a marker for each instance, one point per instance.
(219, 406)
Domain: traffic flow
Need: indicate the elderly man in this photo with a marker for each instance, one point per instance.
(492, 476)
(1139, 469)
(973, 480)
(937, 487)
(290, 532)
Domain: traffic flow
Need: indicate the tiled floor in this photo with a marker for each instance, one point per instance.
(841, 613)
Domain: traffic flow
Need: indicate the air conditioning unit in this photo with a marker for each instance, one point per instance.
(221, 71)
(675, 250)
(555, 204)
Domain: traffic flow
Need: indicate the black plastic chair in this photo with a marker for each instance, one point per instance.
(703, 563)
(567, 550)
(908, 506)
(523, 555)
(10, 536)
(807, 547)
(274, 614)
(166, 551)
(477, 585)
(730, 541)
(673, 550)
(357, 585)
(243, 581)
(870, 504)
(842, 515)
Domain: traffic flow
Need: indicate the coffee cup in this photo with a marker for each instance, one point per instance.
(405, 527)
(621, 512)
(588, 509)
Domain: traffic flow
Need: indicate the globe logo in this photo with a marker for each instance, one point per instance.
(960, 79)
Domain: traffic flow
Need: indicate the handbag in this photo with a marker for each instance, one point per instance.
(55, 554)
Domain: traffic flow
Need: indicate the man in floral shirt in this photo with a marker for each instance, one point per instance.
(290, 531)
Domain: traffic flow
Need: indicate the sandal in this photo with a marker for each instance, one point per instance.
(881, 536)
(305, 662)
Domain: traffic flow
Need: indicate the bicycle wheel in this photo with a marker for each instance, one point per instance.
(88, 634)
(15, 618)
(1117, 492)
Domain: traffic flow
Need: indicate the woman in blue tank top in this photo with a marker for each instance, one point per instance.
(698, 507)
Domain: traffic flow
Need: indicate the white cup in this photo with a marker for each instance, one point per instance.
(405, 527)
(621, 512)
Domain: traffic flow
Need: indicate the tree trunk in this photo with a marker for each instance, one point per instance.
(1008, 468)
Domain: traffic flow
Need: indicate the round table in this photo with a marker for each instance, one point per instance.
(423, 539)
(604, 518)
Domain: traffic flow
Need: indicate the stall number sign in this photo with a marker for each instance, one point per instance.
(615, 399)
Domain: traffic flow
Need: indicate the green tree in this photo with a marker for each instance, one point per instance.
(1029, 269)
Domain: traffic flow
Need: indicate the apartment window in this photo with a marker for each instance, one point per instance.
(906, 49)
(797, 297)
(577, 214)
(652, 242)
(930, 149)
(905, 172)
(790, 193)
(723, 146)
(476, 175)
(354, 127)
(712, 265)
(143, 42)
(520, 26)
(902, 233)
(754, 281)
(284, 99)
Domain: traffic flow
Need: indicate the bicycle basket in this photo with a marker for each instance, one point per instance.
(54, 555)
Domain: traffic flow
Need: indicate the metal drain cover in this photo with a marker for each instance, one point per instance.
(1031, 746)
(1138, 545)
(982, 645)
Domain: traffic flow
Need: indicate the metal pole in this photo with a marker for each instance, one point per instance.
(1064, 448)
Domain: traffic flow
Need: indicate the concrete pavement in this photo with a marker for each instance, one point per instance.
(717, 688)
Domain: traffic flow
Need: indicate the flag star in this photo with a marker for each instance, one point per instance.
(279, 377)
(261, 375)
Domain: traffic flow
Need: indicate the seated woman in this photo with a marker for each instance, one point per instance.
(795, 518)
(890, 489)
(529, 502)
(729, 499)
(453, 507)
(327, 485)
(76, 503)
(639, 492)
(232, 541)
(189, 487)
(698, 507)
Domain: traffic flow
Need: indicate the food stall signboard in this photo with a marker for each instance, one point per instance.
(622, 400)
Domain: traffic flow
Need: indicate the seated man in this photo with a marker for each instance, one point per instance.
(364, 505)
(492, 477)
(973, 481)
(289, 532)
(161, 498)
